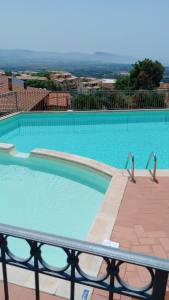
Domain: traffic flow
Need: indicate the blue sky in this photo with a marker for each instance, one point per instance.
(137, 28)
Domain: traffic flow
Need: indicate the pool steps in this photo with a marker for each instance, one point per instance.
(132, 172)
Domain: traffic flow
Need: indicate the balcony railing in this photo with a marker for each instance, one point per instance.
(112, 282)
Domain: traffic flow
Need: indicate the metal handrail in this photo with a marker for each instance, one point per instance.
(112, 281)
(131, 157)
(154, 172)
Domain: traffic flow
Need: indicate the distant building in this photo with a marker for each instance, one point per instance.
(87, 79)
(71, 82)
(87, 84)
(54, 75)
(124, 73)
(66, 79)
(90, 83)
(164, 86)
(107, 84)
(25, 77)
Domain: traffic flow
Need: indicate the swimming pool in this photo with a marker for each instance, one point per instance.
(104, 136)
(51, 196)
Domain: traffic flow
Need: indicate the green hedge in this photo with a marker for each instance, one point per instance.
(118, 100)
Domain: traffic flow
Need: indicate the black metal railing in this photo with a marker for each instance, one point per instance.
(112, 282)
(39, 99)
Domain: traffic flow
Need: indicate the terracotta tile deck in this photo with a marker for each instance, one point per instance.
(142, 226)
(19, 293)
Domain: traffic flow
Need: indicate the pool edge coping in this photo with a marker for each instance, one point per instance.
(13, 114)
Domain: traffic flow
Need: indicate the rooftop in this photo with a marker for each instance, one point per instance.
(25, 99)
(111, 81)
(59, 99)
(164, 85)
(29, 77)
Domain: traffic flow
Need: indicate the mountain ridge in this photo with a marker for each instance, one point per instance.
(96, 56)
(36, 59)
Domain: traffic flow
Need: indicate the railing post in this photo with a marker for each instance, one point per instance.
(72, 283)
(112, 273)
(160, 283)
(4, 268)
(35, 251)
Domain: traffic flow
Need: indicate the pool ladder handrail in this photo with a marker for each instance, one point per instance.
(154, 172)
(131, 173)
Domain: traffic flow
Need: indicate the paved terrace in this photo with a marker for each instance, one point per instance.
(142, 226)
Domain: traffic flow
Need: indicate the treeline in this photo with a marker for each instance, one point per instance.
(44, 84)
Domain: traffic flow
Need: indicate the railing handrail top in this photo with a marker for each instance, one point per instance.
(86, 247)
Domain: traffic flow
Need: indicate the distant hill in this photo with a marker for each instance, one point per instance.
(113, 58)
(26, 58)
(98, 64)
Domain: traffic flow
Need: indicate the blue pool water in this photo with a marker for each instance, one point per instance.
(106, 137)
(49, 196)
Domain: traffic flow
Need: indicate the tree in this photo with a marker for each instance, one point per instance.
(44, 84)
(146, 74)
(123, 83)
(8, 73)
(42, 74)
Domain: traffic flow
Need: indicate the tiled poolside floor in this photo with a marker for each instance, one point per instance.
(142, 226)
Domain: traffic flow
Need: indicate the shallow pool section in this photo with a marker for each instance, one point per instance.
(104, 136)
(52, 196)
